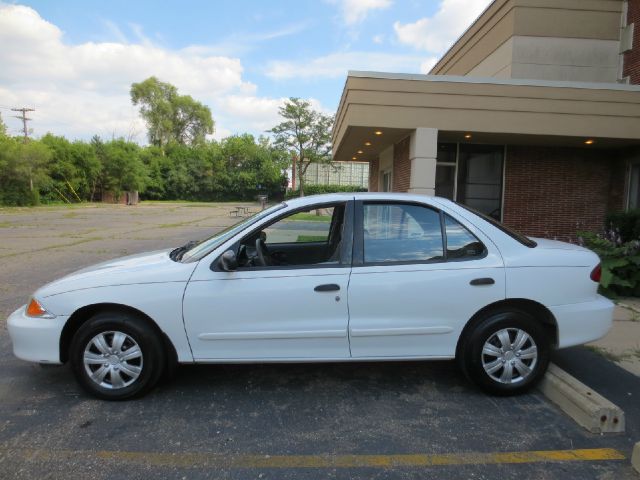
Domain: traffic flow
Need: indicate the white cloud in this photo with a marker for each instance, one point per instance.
(355, 11)
(338, 64)
(379, 39)
(83, 89)
(435, 34)
(427, 65)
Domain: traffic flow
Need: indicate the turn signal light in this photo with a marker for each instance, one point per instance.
(596, 273)
(34, 309)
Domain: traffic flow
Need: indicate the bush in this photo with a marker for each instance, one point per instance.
(320, 189)
(627, 224)
(620, 262)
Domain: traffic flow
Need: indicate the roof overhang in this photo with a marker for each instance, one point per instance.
(491, 110)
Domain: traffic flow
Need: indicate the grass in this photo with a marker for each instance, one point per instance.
(603, 352)
(311, 238)
(309, 217)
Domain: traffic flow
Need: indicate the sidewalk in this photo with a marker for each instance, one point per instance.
(622, 343)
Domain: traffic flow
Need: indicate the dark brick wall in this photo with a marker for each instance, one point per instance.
(632, 58)
(556, 192)
(401, 166)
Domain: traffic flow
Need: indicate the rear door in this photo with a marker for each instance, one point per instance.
(418, 276)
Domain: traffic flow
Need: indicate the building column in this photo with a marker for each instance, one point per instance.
(423, 150)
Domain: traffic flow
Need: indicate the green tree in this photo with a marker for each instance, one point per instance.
(252, 167)
(305, 134)
(171, 117)
(122, 168)
(22, 171)
(3, 128)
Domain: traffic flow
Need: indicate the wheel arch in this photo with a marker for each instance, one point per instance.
(537, 310)
(83, 314)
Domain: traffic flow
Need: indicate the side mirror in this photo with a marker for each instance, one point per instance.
(228, 261)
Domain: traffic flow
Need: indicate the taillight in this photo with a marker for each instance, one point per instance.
(596, 273)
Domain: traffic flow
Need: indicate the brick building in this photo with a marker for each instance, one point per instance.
(532, 116)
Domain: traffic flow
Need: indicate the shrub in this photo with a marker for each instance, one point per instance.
(620, 262)
(626, 223)
(320, 189)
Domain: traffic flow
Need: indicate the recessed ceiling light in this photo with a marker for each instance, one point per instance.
(590, 141)
(378, 132)
(368, 144)
(360, 151)
(354, 158)
(467, 136)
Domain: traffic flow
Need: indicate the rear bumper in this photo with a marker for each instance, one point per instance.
(35, 339)
(583, 322)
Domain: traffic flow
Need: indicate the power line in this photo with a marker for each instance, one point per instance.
(24, 119)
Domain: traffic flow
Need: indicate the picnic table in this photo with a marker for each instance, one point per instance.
(240, 211)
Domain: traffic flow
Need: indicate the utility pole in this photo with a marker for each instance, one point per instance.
(24, 119)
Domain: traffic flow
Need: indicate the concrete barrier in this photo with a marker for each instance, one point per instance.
(588, 408)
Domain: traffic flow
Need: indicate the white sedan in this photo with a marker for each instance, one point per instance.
(340, 277)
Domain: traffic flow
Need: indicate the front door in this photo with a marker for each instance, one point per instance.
(411, 291)
(295, 308)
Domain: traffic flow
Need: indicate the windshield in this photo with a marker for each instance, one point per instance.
(526, 241)
(203, 248)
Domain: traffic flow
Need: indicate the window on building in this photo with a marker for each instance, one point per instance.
(386, 181)
(472, 175)
(634, 187)
(401, 233)
(446, 170)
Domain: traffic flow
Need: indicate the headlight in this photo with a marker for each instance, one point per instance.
(34, 309)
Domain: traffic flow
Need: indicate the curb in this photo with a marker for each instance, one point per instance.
(587, 407)
(635, 457)
(628, 307)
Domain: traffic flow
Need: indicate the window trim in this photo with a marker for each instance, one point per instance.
(346, 247)
(517, 236)
(358, 237)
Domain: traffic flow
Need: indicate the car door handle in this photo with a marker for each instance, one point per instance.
(482, 281)
(327, 287)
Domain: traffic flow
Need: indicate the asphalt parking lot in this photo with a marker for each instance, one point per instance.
(393, 420)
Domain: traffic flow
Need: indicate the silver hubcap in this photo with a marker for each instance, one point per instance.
(509, 355)
(113, 360)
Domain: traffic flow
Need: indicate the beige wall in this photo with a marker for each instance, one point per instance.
(552, 58)
(575, 40)
(403, 103)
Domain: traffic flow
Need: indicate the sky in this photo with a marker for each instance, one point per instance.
(74, 61)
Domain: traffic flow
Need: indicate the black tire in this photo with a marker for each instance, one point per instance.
(471, 356)
(149, 366)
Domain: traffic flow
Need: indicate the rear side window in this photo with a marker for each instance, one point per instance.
(461, 243)
(401, 233)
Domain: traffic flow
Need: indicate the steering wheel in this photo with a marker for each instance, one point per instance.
(264, 258)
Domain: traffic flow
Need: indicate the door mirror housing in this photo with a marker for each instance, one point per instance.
(228, 261)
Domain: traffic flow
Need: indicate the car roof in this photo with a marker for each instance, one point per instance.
(343, 196)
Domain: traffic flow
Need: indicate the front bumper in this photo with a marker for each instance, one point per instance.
(35, 339)
(583, 322)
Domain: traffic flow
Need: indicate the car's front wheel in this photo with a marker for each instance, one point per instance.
(116, 356)
(505, 353)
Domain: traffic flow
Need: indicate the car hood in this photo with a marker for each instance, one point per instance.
(149, 267)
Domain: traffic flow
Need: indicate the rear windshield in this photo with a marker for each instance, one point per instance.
(526, 241)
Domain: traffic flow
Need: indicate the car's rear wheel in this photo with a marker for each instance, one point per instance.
(505, 353)
(116, 355)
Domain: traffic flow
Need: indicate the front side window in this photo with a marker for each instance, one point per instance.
(308, 226)
(300, 239)
(401, 233)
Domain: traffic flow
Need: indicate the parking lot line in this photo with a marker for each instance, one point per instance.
(209, 460)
